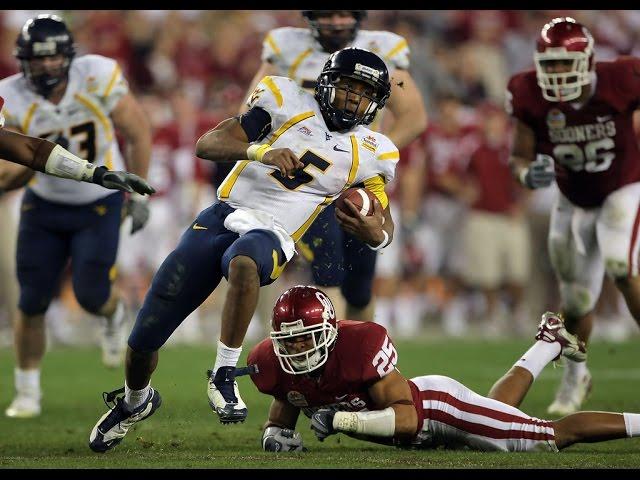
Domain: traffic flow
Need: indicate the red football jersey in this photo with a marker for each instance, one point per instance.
(594, 148)
(362, 354)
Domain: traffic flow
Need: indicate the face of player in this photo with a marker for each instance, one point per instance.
(336, 27)
(300, 344)
(52, 65)
(353, 96)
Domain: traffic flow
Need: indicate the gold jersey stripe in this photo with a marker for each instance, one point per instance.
(355, 162)
(297, 235)
(399, 46)
(273, 45)
(112, 81)
(389, 155)
(108, 159)
(296, 63)
(288, 124)
(229, 182)
(96, 111)
(268, 81)
(376, 185)
(26, 123)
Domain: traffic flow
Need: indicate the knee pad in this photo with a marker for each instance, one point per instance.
(92, 298)
(577, 300)
(33, 302)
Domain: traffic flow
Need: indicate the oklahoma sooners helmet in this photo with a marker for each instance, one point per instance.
(564, 39)
(301, 311)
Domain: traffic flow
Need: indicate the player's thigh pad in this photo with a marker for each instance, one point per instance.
(184, 280)
(456, 416)
(264, 248)
(93, 252)
(360, 268)
(618, 233)
(324, 240)
(575, 256)
(42, 251)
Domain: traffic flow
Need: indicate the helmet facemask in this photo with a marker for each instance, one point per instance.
(330, 36)
(323, 335)
(46, 80)
(343, 114)
(563, 86)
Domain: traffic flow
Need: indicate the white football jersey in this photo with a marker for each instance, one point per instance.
(334, 161)
(298, 55)
(96, 84)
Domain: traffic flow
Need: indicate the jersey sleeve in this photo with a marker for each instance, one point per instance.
(106, 81)
(271, 50)
(515, 98)
(266, 378)
(387, 158)
(396, 51)
(630, 74)
(380, 355)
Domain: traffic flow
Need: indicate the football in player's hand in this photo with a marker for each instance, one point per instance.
(362, 199)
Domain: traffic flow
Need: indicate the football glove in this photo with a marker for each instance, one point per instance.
(137, 208)
(540, 173)
(322, 423)
(125, 181)
(276, 439)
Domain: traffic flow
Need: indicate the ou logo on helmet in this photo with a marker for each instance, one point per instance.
(328, 312)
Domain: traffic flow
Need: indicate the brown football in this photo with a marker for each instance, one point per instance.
(361, 197)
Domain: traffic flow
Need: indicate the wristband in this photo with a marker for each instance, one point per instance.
(384, 242)
(256, 152)
(379, 423)
(63, 163)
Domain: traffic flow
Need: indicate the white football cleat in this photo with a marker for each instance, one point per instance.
(24, 406)
(113, 341)
(571, 394)
(224, 396)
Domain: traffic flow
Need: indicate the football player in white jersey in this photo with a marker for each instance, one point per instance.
(338, 261)
(77, 103)
(297, 153)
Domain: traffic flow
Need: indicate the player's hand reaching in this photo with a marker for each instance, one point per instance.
(540, 174)
(367, 228)
(125, 181)
(322, 423)
(284, 160)
(276, 439)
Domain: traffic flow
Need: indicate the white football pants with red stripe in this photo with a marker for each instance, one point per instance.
(457, 417)
(583, 243)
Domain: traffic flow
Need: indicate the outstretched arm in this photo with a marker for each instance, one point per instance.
(407, 106)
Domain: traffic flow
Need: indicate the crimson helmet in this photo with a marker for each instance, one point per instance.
(564, 39)
(303, 310)
(337, 37)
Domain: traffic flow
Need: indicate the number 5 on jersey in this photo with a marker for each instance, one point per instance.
(386, 359)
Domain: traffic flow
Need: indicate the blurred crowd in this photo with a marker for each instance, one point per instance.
(191, 69)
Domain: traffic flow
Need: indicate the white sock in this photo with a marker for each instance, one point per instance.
(632, 424)
(27, 382)
(226, 356)
(538, 356)
(576, 370)
(135, 398)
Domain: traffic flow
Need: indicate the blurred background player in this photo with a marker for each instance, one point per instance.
(574, 124)
(340, 262)
(79, 104)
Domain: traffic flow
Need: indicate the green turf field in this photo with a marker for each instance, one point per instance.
(185, 433)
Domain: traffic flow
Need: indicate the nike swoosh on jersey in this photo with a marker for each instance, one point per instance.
(335, 147)
(199, 227)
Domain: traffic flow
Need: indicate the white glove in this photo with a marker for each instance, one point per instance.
(276, 439)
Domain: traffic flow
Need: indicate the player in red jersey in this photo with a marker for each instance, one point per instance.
(574, 124)
(343, 375)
